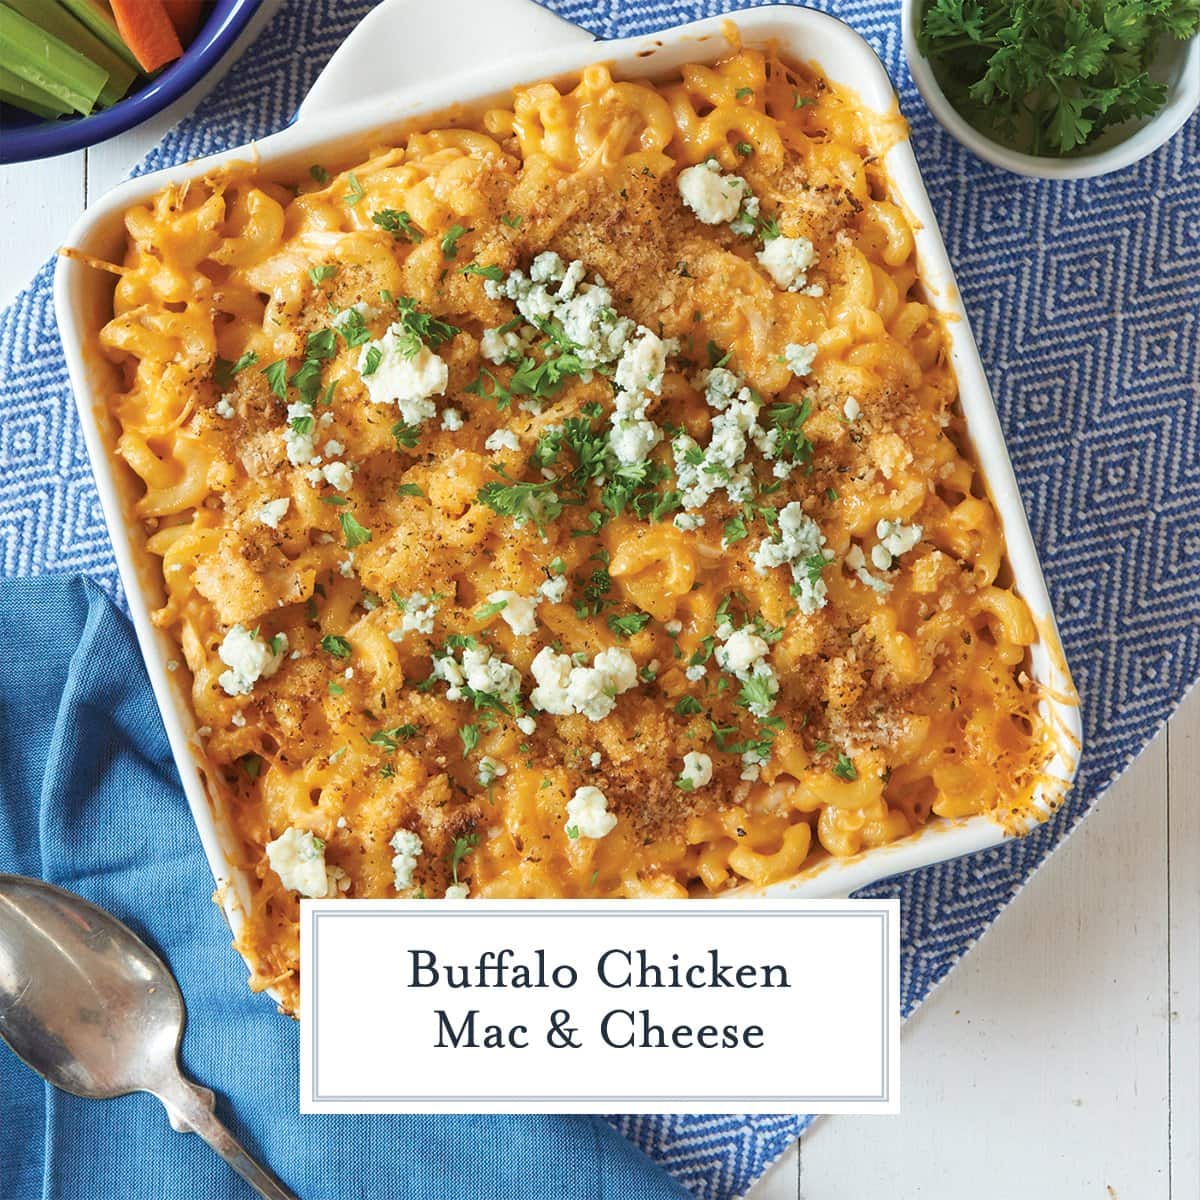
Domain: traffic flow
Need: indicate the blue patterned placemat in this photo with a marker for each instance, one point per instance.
(1085, 300)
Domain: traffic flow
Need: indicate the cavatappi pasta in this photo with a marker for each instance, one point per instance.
(570, 503)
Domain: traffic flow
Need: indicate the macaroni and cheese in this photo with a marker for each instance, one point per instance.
(570, 501)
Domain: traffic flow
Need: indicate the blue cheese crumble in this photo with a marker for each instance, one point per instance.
(856, 560)
(799, 544)
(799, 358)
(480, 671)
(502, 439)
(403, 378)
(895, 539)
(417, 616)
(697, 771)
(407, 846)
(599, 337)
(716, 199)
(742, 653)
(588, 815)
(273, 512)
(298, 858)
(564, 688)
(787, 260)
(489, 770)
(554, 590)
(249, 658)
(519, 612)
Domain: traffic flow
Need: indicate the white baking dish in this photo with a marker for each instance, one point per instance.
(405, 60)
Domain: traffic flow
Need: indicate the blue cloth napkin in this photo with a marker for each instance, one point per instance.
(91, 801)
(1084, 297)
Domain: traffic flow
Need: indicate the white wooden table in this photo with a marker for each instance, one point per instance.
(1061, 1060)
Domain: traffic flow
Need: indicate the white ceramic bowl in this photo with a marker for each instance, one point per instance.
(383, 78)
(1177, 65)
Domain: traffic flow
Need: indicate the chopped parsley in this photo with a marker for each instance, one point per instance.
(450, 240)
(354, 533)
(390, 739)
(768, 229)
(791, 444)
(371, 361)
(356, 192)
(318, 275)
(535, 502)
(735, 530)
(462, 847)
(629, 624)
(307, 380)
(321, 344)
(337, 646)
(470, 738)
(224, 370)
(756, 693)
(715, 357)
(494, 273)
(319, 173)
(277, 375)
(499, 393)
(302, 426)
(398, 223)
(844, 768)
(547, 448)
(353, 327)
(420, 328)
(543, 379)
(407, 436)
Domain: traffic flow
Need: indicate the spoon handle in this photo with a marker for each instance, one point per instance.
(190, 1111)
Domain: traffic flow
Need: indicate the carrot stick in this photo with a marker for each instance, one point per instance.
(185, 16)
(147, 31)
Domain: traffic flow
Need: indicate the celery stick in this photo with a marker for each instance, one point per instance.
(55, 20)
(30, 106)
(41, 59)
(100, 21)
(18, 93)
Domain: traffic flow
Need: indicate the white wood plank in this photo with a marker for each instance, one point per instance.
(38, 203)
(1184, 875)
(1040, 1068)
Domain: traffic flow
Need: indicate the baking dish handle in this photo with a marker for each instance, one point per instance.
(402, 42)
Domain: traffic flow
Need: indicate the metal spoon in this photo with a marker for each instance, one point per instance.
(93, 1010)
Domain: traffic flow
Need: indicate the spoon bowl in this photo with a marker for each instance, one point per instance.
(91, 1008)
(83, 1000)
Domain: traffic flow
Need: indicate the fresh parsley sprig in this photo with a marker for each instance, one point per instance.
(397, 223)
(461, 848)
(1049, 76)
